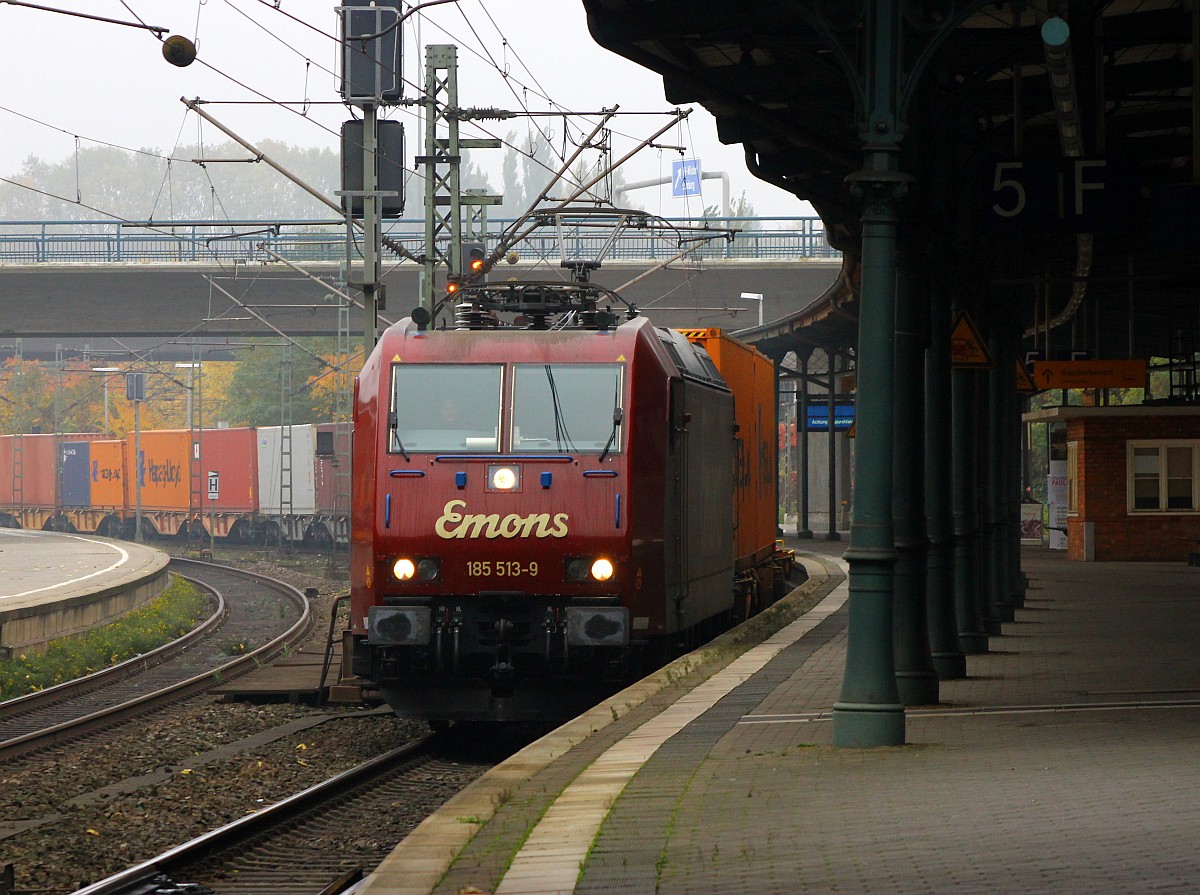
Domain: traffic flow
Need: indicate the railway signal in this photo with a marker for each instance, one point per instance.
(474, 255)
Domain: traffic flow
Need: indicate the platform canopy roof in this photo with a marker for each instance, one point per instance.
(1083, 203)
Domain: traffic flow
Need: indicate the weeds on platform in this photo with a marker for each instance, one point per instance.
(171, 615)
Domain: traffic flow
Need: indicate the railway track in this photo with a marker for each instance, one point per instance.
(261, 613)
(322, 840)
(325, 839)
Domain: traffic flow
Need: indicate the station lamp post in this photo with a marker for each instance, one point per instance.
(135, 391)
(758, 297)
(106, 371)
(190, 367)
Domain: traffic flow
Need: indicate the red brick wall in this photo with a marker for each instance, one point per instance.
(1101, 467)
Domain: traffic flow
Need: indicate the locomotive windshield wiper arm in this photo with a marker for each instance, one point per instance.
(618, 415)
(394, 425)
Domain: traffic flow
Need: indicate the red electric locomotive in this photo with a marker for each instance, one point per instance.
(539, 510)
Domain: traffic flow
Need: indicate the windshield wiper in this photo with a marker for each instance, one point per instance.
(612, 436)
(618, 415)
(393, 427)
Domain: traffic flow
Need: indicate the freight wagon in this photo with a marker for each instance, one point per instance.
(250, 485)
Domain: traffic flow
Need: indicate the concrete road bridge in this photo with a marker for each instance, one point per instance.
(223, 281)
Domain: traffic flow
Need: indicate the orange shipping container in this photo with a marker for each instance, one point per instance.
(164, 473)
(751, 376)
(108, 475)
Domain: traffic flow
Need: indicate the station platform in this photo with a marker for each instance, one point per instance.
(54, 584)
(1065, 762)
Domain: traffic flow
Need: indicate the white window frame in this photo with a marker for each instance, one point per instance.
(1162, 444)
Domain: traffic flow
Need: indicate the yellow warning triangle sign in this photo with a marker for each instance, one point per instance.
(1024, 380)
(967, 348)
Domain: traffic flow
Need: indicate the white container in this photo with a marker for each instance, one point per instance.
(270, 471)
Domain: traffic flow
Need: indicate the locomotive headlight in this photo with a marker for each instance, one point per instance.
(428, 569)
(503, 478)
(589, 568)
(404, 569)
(602, 569)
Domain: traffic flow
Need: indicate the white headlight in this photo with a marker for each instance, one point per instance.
(504, 478)
(602, 569)
(404, 569)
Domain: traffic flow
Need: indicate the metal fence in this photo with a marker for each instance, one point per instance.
(158, 242)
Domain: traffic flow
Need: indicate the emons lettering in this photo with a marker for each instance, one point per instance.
(455, 524)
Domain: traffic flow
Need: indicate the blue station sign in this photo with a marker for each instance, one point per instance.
(818, 417)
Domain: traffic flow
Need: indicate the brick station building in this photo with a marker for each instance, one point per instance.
(1133, 481)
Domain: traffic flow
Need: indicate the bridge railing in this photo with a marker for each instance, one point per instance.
(151, 242)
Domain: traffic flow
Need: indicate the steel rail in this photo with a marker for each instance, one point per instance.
(195, 684)
(18, 705)
(134, 878)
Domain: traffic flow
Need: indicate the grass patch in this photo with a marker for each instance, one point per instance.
(176, 611)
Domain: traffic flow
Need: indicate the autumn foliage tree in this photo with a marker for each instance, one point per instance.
(37, 396)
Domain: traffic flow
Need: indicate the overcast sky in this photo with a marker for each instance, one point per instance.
(79, 82)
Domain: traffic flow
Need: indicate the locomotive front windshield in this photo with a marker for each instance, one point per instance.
(445, 407)
(566, 407)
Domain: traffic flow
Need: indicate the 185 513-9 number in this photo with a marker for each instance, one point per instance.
(500, 569)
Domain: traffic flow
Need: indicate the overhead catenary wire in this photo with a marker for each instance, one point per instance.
(306, 103)
(500, 65)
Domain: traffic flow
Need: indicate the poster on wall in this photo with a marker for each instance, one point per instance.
(1032, 527)
(1056, 496)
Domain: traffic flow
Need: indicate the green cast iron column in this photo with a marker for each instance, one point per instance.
(947, 655)
(971, 635)
(831, 441)
(1016, 481)
(916, 678)
(998, 379)
(869, 712)
(802, 529)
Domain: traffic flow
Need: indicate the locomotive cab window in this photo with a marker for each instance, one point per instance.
(567, 407)
(445, 407)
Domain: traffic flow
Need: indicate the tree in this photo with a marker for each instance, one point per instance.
(255, 390)
(145, 186)
(36, 396)
(323, 385)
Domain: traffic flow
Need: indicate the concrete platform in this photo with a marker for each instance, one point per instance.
(53, 585)
(1064, 762)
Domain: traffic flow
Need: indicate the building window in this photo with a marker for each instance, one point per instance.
(1162, 476)
(1072, 478)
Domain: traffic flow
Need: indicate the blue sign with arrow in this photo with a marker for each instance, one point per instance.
(685, 177)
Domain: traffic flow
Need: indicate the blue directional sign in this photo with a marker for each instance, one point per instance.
(818, 417)
(685, 177)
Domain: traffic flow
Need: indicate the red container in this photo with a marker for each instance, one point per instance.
(39, 470)
(229, 464)
(332, 468)
(6, 469)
